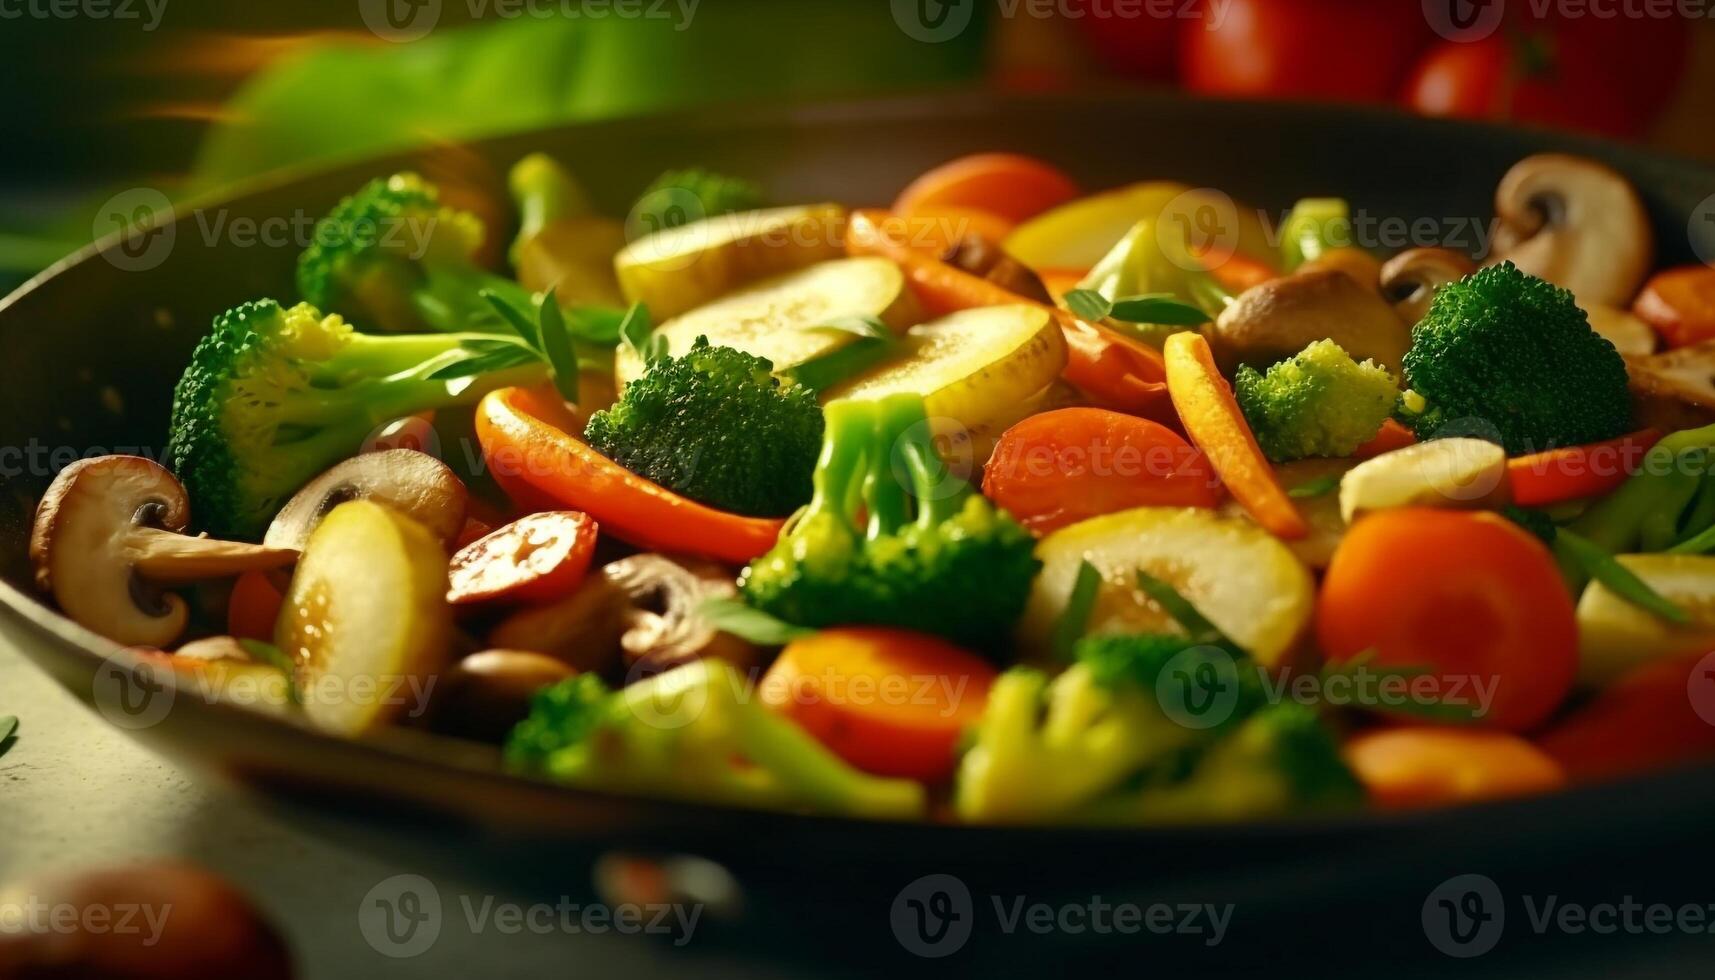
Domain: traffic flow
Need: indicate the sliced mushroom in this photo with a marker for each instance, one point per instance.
(1281, 317)
(667, 627)
(1363, 267)
(1409, 280)
(641, 610)
(981, 257)
(414, 484)
(107, 537)
(484, 695)
(1578, 224)
(1674, 389)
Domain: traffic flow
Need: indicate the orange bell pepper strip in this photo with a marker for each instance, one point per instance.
(1392, 436)
(520, 447)
(1577, 472)
(1214, 422)
(1117, 371)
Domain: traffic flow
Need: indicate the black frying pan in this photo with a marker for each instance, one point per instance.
(91, 348)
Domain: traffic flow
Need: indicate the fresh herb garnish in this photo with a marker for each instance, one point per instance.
(1156, 308)
(546, 335)
(1319, 487)
(8, 728)
(1183, 612)
(747, 623)
(1617, 578)
(873, 341)
(1075, 618)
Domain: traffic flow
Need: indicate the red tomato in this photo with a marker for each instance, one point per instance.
(1551, 78)
(1344, 50)
(537, 558)
(1136, 43)
(1658, 715)
(1470, 597)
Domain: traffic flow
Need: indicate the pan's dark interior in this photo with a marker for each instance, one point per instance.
(91, 349)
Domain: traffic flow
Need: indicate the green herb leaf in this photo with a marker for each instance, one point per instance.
(1088, 304)
(1182, 611)
(596, 325)
(634, 329)
(828, 369)
(1319, 487)
(273, 656)
(862, 326)
(1355, 667)
(482, 357)
(8, 728)
(1075, 618)
(517, 319)
(557, 345)
(746, 623)
(1620, 580)
(656, 349)
(1161, 308)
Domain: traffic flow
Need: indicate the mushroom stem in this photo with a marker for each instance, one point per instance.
(166, 558)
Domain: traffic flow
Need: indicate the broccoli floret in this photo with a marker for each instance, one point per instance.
(688, 734)
(891, 539)
(1054, 750)
(718, 427)
(1317, 403)
(273, 397)
(1512, 354)
(1282, 760)
(679, 197)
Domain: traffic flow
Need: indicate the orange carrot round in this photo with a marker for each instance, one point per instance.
(1469, 597)
(1213, 421)
(254, 606)
(1012, 186)
(1412, 767)
(521, 449)
(1060, 467)
(1577, 472)
(890, 702)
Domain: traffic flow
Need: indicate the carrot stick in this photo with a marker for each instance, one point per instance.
(521, 448)
(1409, 768)
(1577, 472)
(1120, 372)
(1213, 421)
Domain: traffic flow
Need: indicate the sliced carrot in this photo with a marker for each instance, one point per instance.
(522, 449)
(1470, 599)
(1015, 187)
(1680, 305)
(889, 702)
(1060, 467)
(1410, 768)
(254, 606)
(1647, 719)
(1117, 371)
(1577, 472)
(538, 558)
(1392, 436)
(1213, 421)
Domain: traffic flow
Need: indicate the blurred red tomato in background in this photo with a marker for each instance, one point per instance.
(1340, 50)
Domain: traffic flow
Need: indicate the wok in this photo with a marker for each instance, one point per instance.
(91, 348)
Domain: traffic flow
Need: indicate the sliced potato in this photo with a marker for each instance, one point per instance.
(366, 620)
(773, 318)
(1321, 512)
(1239, 576)
(1078, 234)
(1469, 474)
(1614, 636)
(682, 268)
(974, 369)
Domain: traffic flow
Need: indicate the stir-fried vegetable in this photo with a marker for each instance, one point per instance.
(1319, 403)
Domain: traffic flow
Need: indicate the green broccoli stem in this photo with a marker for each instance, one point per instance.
(450, 299)
(543, 192)
(848, 426)
(815, 777)
(886, 495)
(360, 408)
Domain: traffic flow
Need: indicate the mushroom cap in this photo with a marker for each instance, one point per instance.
(413, 483)
(1577, 223)
(1409, 280)
(1281, 317)
(84, 548)
(1675, 389)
